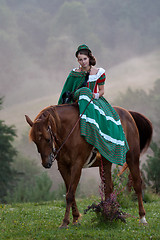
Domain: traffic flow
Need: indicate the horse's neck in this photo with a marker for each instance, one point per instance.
(68, 115)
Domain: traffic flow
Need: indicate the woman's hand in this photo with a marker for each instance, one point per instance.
(95, 95)
(100, 93)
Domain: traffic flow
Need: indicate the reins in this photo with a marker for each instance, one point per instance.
(70, 131)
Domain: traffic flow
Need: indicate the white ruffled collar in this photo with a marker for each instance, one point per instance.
(96, 76)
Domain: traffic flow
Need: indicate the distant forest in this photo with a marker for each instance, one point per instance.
(38, 35)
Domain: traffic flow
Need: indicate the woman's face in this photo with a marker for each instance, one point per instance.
(83, 60)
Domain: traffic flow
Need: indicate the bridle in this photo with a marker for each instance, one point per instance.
(54, 138)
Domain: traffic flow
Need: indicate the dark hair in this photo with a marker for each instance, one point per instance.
(92, 60)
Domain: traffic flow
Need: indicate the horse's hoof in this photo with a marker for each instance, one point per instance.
(143, 221)
(76, 223)
(63, 226)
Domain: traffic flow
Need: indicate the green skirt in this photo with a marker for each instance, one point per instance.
(101, 126)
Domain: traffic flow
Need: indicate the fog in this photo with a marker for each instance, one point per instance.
(38, 41)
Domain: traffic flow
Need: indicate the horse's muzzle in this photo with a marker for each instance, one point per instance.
(49, 162)
(48, 165)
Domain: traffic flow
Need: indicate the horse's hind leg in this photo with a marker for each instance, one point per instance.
(133, 164)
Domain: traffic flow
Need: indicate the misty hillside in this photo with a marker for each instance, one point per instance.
(38, 40)
(137, 73)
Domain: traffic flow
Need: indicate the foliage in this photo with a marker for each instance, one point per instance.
(35, 192)
(148, 104)
(42, 220)
(71, 20)
(32, 185)
(7, 155)
(145, 103)
(152, 168)
(150, 196)
(111, 208)
(60, 193)
(134, 98)
(1, 102)
(124, 197)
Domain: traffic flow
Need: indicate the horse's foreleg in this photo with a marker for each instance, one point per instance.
(106, 177)
(75, 213)
(70, 197)
(137, 184)
(71, 179)
(65, 173)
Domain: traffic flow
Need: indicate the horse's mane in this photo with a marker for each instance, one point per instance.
(52, 110)
(38, 121)
(44, 113)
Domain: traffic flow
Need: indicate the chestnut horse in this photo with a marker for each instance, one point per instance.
(52, 126)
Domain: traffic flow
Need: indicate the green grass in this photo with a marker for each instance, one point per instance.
(34, 221)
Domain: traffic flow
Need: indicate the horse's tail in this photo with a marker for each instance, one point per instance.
(145, 129)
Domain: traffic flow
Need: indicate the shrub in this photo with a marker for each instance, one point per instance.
(124, 197)
(110, 208)
(152, 168)
(37, 191)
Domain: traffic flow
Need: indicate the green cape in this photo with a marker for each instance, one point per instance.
(74, 81)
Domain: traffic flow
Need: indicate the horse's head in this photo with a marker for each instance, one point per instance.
(42, 134)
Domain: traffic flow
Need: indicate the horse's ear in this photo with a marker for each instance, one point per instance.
(29, 121)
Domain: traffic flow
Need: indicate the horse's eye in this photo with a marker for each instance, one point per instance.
(48, 140)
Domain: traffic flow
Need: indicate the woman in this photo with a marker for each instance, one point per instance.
(78, 77)
(100, 124)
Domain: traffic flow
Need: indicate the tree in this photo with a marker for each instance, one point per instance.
(146, 103)
(155, 101)
(7, 155)
(152, 168)
(72, 20)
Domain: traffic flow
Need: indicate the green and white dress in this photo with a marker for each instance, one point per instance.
(100, 124)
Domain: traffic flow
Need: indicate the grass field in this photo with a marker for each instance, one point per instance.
(35, 221)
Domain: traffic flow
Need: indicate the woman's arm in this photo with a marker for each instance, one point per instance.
(101, 92)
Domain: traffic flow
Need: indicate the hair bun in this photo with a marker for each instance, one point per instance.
(92, 59)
